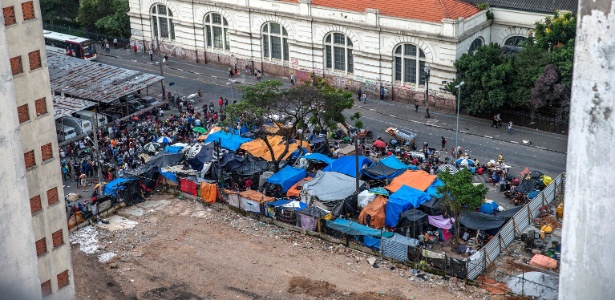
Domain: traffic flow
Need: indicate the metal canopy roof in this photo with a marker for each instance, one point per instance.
(66, 106)
(94, 81)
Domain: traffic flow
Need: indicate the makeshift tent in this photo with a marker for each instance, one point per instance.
(232, 197)
(431, 207)
(251, 200)
(480, 221)
(373, 214)
(173, 149)
(160, 160)
(287, 177)
(168, 175)
(347, 165)
(284, 210)
(209, 192)
(414, 222)
(309, 217)
(242, 165)
(199, 154)
(396, 247)
(432, 190)
(354, 228)
(331, 186)
(488, 207)
(188, 186)
(258, 148)
(364, 198)
(347, 207)
(118, 184)
(441, 222)
(419, 180)
(531, 182)
(544, 262)
(378, 170)
(295, 190)
(228, 140)
(402, 200)
(392, 161)
(319, 157)
(507, 214)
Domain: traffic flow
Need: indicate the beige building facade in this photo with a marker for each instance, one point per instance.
(30, 180)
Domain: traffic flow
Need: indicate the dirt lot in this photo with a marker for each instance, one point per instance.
(167, 248)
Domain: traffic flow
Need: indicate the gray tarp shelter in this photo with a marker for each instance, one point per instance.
(481, 221)
(331, 186)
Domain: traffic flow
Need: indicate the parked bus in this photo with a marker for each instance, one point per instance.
(71, 45)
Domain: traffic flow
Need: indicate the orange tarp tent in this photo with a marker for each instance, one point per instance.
(375, 210)
(256, 196)
(295, 190)
(209, 192)
(418, 179)
(258, 148)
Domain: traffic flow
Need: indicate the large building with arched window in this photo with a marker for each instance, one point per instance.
(358, 44)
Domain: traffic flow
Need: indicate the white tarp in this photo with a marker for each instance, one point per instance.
(331, 186)
(364, 198)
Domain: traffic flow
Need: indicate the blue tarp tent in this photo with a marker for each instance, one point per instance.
(112, 187)
(488, 208)
(173, 149)
(168, 175)
(287, 177)
(297, 152)
(432, 190)
(405, 198)
(229, 141)
(346, 165)
(354, 228)
(393, 162)
(319, 157)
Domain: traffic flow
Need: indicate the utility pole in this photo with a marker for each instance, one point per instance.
(164, 94)
(427, 75)
(101, 185)
(356, 161)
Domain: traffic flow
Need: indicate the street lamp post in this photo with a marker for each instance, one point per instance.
(427, 70)
(458, 87)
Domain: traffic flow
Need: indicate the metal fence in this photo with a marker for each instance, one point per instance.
(480, 260)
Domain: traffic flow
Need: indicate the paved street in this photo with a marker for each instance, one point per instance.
(547, 153)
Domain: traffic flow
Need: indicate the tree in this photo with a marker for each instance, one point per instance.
(327, 112)
(53, 10)
(556, 31)
(289, 111)
(527, 64)
(486, 74)
(549, 90)
(108, 16)
(118, 23)
(459, 195)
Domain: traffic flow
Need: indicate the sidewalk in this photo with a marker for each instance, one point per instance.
(439, 119)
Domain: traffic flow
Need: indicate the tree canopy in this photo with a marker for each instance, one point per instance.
(459, 194)
(53, 10)
(108, 16)
(267, 110)
(538, 74)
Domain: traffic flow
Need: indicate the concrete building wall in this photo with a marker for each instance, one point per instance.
(19, 275)
(374, 37)
(44, 199)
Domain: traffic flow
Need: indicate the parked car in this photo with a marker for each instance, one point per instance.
(81, 126)
(89, 115)
(65, 132)
(148, 101)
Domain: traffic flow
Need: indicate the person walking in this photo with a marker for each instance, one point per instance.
(134, 48)
(83, 181)
(151, 55)
(166, 59)
(509, 127)
(292, 78)
(107, 49)
(416, 106)
(200, 95)
(236, 71)
(230, 71)
(364, 97)
(258, 75)
(115, 43)
(494, 121)
(382, 93)
(443, 143)
(499, 119)
(221, 102)
(359, 94)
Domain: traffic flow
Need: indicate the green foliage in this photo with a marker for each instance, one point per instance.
(482, 6)
(108, 16)
(486, 74)
(459, 194)
(527, 64)
(53, 10)
(556, 31)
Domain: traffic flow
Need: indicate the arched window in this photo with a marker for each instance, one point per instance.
(409, 64)
(162, 22)
(475, 44)
(338, 52)
(517, 41)
(275, 41)
(216, 32)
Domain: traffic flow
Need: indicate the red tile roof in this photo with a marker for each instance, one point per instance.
(425, 10)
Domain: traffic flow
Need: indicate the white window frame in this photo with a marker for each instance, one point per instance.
(268, 38)
(212, 29)
(156, 17)
(404, 58)
(338, 56)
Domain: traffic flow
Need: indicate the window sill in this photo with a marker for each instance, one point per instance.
(19, 75)
(38, 116)
(58, 246)
(31, 168)
(47, 161)
(42, 255)
(38, 212)
(37, 69)
(10, 25)
(29, 20)
(25, 122)
(53, 204)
